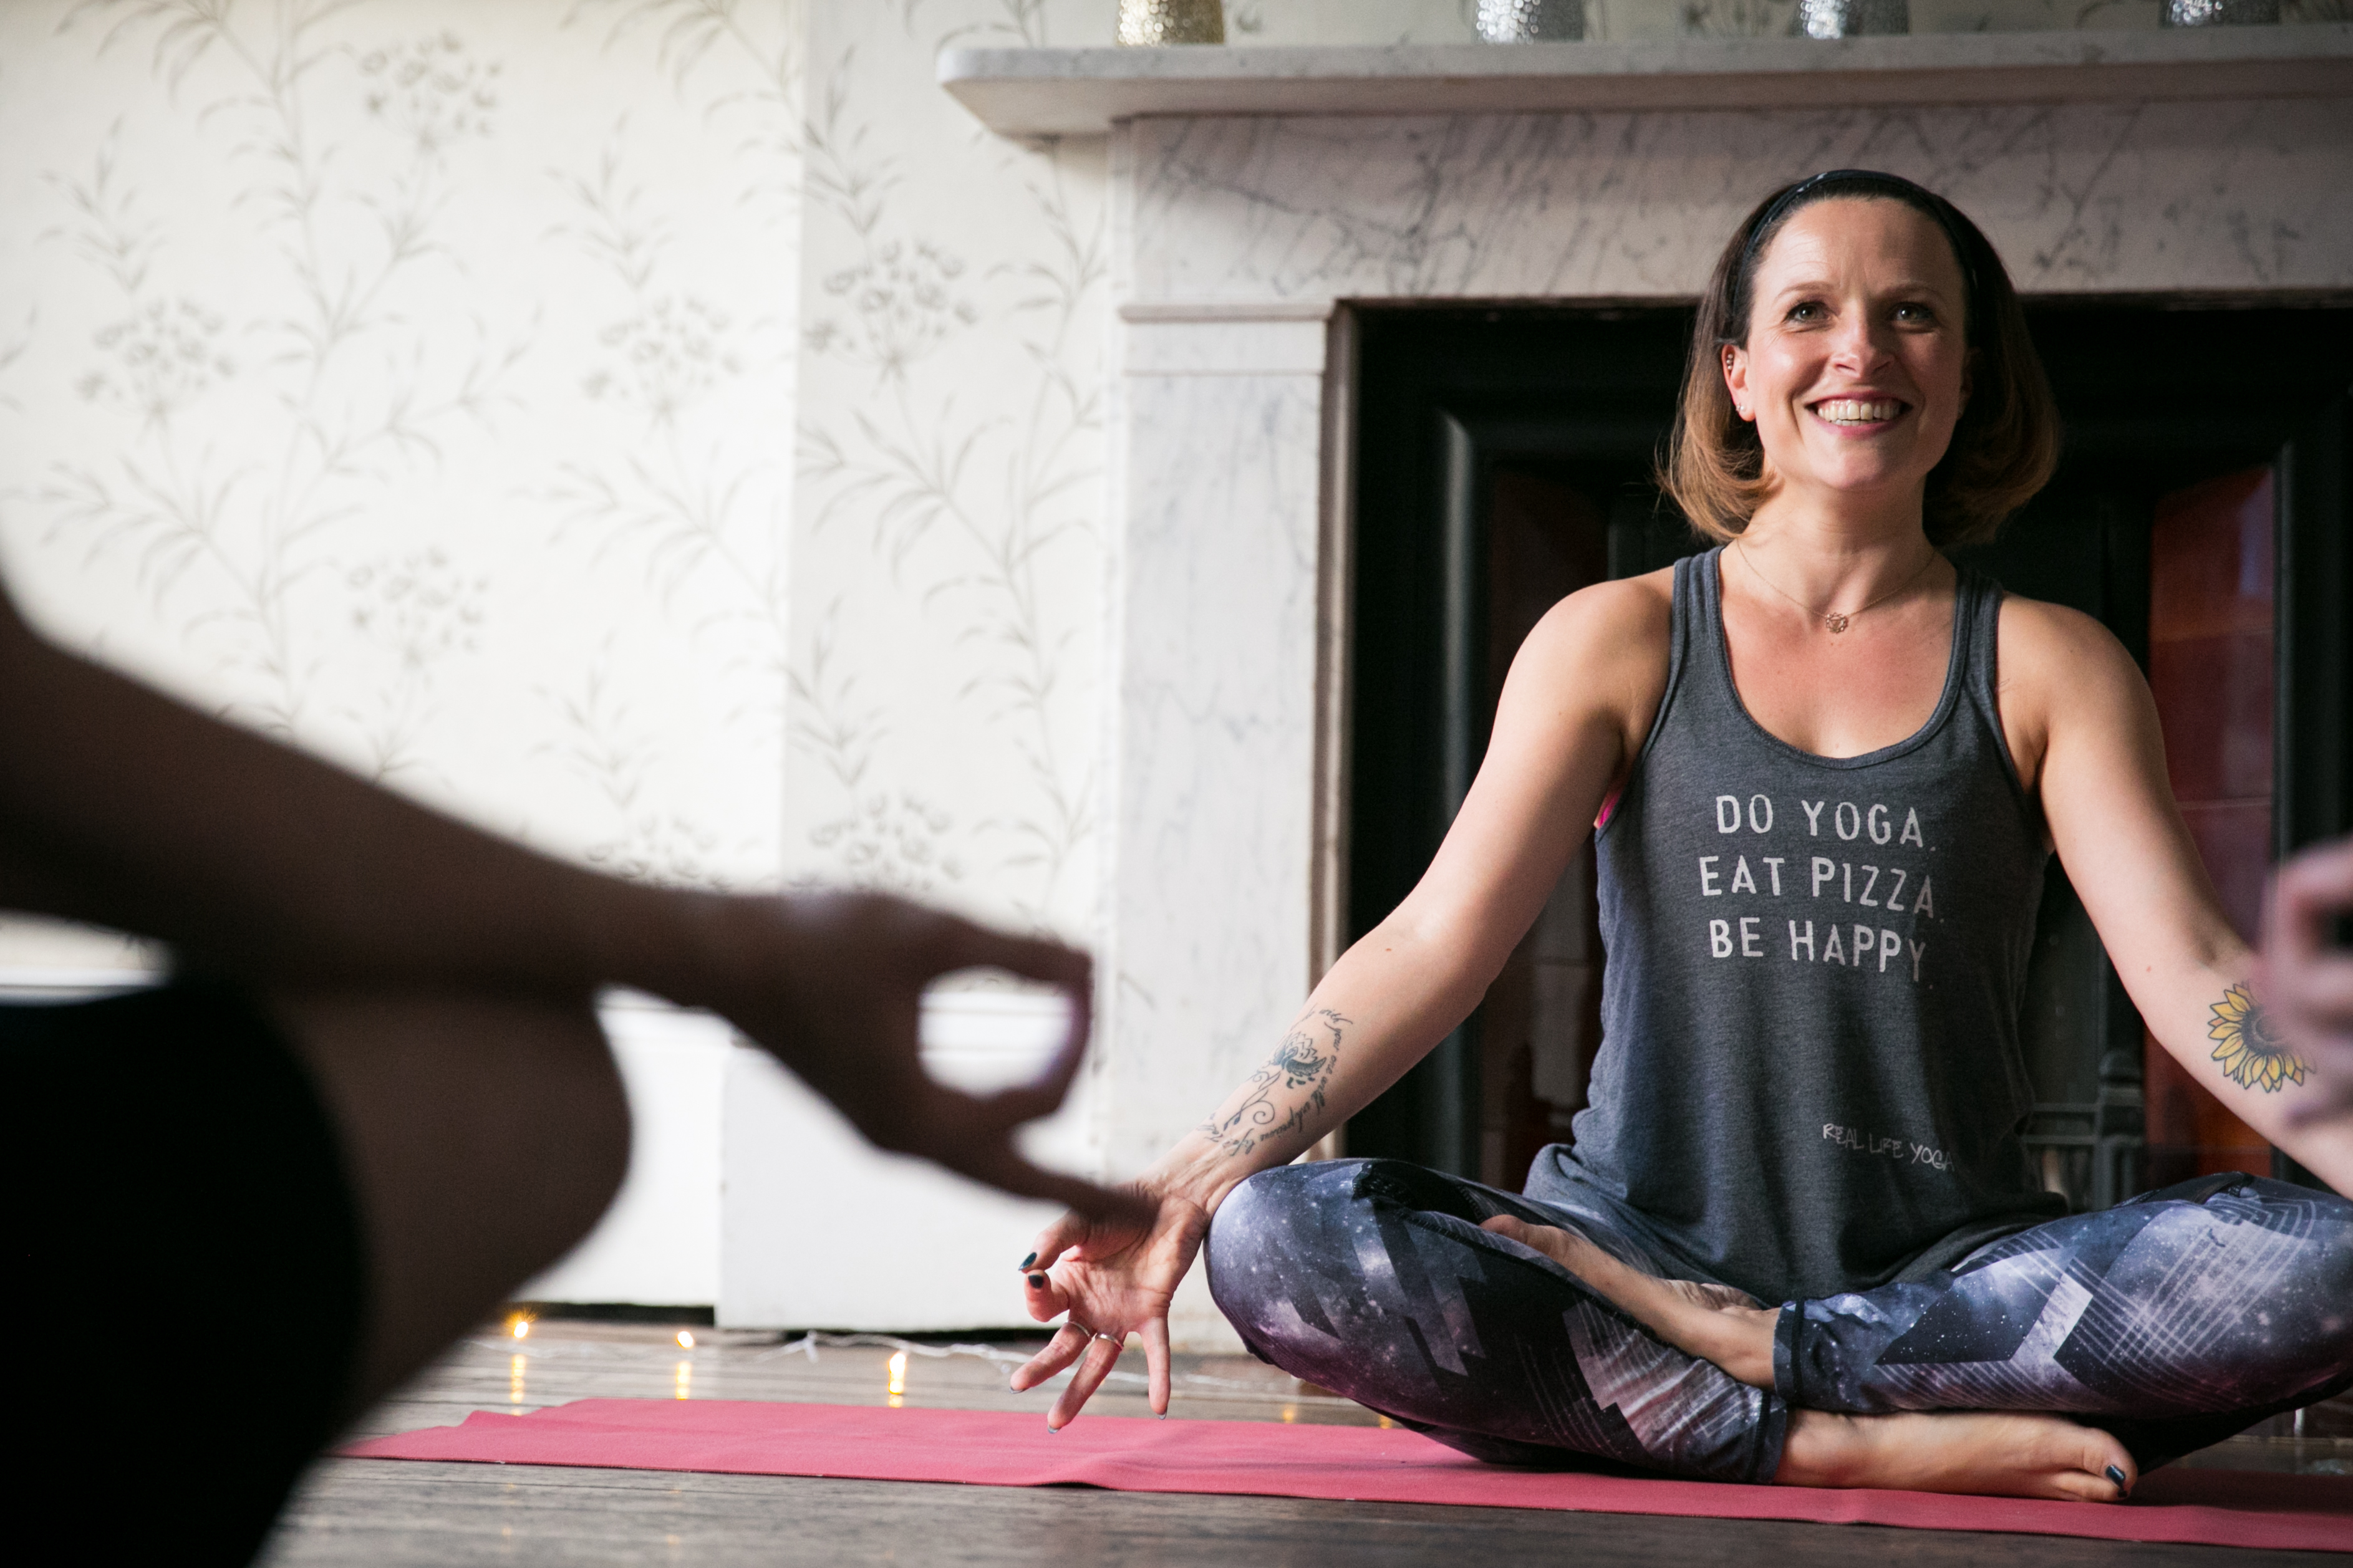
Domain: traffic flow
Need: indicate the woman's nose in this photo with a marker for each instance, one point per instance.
(1860, 343)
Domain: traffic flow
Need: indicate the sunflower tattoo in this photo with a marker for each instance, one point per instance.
(2252, 1055)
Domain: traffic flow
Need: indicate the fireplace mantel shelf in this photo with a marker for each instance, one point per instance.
(1045, 92)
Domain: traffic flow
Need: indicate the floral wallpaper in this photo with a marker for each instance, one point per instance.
(418, 380)
(415, 378)
(946, 525)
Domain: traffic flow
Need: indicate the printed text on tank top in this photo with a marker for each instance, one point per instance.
(1899, 879)
(1810, 1077)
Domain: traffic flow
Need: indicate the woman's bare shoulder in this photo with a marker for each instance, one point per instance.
(1605, 646)
(2060, 673)
(1629, 611)
(2051, 648)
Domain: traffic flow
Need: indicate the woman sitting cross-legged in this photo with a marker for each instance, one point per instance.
(1796, 1238)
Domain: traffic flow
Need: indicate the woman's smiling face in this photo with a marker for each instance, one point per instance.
(1857, 360)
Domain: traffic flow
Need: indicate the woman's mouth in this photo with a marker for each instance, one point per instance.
(1857, 410)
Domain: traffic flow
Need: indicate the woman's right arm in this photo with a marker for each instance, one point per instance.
(1579, 698)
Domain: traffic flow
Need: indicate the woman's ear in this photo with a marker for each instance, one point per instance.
(1736, 379)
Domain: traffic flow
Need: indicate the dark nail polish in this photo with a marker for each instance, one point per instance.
(2116, 1475)
(1036, 1281)
(1028, 1260)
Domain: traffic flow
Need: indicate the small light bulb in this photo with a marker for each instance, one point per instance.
(521, 1328)
(685, 1340)
(898, 1371)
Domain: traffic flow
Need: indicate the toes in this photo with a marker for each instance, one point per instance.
(2111, 1466)
(2093, 1468)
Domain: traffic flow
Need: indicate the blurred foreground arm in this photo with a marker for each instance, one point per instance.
(2308, 977)
(122, 807)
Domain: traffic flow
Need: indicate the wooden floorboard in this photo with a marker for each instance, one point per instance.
(395, 1514)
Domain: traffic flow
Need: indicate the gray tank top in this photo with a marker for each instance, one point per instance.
(1809, 1078)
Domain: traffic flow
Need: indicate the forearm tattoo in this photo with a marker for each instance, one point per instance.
(2252, 1055)
(1305, 1060)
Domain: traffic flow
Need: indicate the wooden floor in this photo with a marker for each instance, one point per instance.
(387, 1514)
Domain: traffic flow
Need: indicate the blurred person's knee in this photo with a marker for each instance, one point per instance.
(482, 1136)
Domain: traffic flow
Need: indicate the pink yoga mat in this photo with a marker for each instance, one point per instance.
(2216, 1508)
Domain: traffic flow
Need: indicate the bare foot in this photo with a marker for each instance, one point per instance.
(1958, 1452)
(1714, 1323)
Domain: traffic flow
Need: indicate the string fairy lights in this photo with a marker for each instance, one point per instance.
(898, 1364)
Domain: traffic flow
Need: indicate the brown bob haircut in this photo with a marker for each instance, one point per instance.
(2003, 448)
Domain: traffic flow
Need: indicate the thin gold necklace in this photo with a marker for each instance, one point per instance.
(1834, 620)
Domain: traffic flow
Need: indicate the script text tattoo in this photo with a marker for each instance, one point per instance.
(1305, 1060)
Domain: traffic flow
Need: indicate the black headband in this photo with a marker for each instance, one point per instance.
(1862, 182)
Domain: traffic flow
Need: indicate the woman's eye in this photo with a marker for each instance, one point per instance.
(1808, 311)
(1916, 314)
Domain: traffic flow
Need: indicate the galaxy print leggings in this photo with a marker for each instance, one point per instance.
(2169, 1321)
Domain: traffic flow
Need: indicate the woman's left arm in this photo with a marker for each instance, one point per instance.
(2083, 729)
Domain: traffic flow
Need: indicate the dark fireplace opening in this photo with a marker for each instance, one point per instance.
(1502, 459)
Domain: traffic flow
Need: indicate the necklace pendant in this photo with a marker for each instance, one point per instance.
(1835, 623)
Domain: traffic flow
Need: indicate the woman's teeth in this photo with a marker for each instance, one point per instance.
(1851, 411)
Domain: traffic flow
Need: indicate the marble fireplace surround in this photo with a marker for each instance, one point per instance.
(1245, 239)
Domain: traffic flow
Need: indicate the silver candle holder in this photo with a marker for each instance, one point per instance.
(1151, 24)
(1531, 21)
(1853, 19)
(2219, 13)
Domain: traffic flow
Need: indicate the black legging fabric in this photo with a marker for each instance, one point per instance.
(2171, 1321)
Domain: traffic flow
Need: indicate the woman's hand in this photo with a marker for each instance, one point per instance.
(832, 985)
(2308, 979)
(1114, 1278)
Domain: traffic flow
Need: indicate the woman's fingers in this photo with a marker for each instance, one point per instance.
(1043, 1094)
(1043, 1295)
(2308, 979)
(1067, 1231)
(1006, 1170)
(964, 945)
(1061, 1351)
(1513, 1228)
(1155, 1363)
(1102, 1354)
(971, 1136)
(2311, 892)
(2312, 889)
